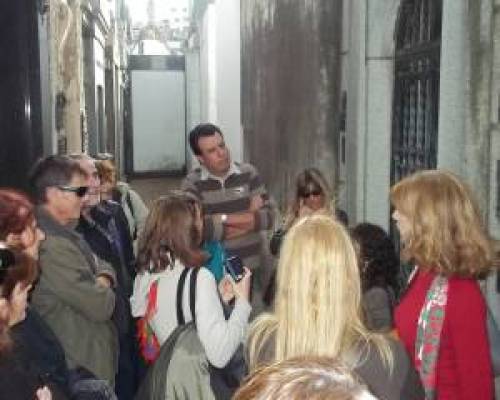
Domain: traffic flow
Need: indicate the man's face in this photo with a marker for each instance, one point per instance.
(93, 182)
(66, 204)
(214, 154)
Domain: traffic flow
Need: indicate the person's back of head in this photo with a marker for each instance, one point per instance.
(379, 263)
(171, 232)
(16, 213)
(318, 297)
(312, 378)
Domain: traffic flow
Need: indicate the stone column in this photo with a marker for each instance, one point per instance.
(356, 111)
(453, 86)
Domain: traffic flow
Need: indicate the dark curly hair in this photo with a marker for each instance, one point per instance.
(379, 263)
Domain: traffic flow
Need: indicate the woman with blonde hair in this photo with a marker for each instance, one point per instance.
(312, 194)
(133, 206)
(317, 312)
(312, 378)
(442, 234)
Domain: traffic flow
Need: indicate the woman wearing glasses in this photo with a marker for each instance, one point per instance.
(312, 195)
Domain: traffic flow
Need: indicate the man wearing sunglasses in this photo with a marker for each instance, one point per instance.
(73, 294)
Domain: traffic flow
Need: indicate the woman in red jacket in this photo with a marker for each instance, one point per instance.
(442, 317)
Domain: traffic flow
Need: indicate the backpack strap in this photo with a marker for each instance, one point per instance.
(180, 290)
(128, 199)
(192, 292)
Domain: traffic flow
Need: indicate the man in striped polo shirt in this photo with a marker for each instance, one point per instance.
(235, 202)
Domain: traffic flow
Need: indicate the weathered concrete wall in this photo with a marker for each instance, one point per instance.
(290, 88)
(66, 55)
(494, 151)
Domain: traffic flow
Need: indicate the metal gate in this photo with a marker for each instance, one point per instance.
(416, 87)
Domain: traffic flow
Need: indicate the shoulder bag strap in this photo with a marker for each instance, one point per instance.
(192, 292)
(180, 287)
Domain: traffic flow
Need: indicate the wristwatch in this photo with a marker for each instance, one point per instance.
(223, 218)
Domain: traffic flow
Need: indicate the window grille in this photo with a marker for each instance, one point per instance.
(416, 87)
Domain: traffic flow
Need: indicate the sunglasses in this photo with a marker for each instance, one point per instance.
(80, 191)
(306, 195)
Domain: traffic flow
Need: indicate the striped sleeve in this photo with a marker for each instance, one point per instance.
(264, 218)
(189, 186)
(213, 229)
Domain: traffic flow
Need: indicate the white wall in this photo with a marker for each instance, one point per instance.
(220, 71)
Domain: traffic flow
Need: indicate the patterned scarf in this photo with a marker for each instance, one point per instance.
(149, 345)
(430, 325)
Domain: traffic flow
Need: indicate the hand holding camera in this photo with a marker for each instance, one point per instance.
(240, 277)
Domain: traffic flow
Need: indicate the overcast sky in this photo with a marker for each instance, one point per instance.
(138, 8)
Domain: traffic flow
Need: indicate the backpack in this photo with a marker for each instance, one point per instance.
(181, 370)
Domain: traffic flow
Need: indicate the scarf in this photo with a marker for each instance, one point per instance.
(429, 328)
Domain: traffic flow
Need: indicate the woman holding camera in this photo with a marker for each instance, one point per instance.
(170, 244)
(442, 317)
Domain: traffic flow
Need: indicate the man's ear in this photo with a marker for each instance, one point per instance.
(51, 193)
(200, 160)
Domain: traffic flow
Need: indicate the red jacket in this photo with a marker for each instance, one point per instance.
(464, 364)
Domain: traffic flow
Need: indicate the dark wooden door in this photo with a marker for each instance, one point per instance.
(20, 100)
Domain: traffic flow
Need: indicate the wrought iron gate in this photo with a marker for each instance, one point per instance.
(416, 87)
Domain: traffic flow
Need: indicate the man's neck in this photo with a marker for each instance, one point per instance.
(219, 175)
(53, 212)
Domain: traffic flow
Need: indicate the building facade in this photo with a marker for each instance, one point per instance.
(65, 61)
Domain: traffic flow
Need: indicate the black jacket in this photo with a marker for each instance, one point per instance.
(37, 358)
(106, 224)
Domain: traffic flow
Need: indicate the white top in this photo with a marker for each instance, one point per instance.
(220, 338)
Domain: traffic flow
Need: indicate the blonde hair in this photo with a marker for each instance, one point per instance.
(107, 171)
(446, 232)
(313, 378)
(309, 177)
(317, 306)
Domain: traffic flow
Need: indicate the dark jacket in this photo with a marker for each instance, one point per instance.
(74, 305)
(39, 351)
(106, 232)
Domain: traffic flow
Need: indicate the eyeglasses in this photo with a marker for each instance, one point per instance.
(306, 195)
(80, 191)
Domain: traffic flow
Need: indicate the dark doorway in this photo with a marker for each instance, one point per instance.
(20, 91)
(416, 87)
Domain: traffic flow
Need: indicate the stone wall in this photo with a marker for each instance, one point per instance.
(66, 77)
(290, 88)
